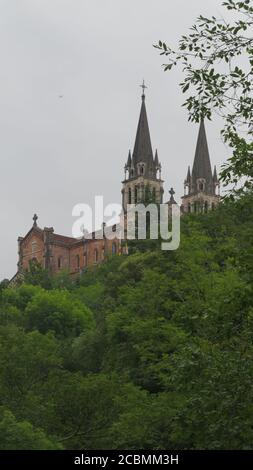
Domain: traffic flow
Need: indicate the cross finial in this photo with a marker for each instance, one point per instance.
(35, 218)
(143, 86)
(172, 192)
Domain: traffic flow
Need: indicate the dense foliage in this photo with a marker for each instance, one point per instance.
(151, 350)
(217, 61)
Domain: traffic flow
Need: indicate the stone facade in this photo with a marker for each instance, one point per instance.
(142, 171)
(134, 190)
(58, 253)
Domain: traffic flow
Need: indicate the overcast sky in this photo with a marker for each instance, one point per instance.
(57, 152)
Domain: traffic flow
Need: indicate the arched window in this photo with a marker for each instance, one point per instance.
(95, 255)
(135, 194)
(114, 248)
(59, 262)
(78, 261)
(129, 196)
(206, 206)
(34, 246)
(201, 185)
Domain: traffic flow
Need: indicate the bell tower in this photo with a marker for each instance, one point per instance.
(142, 181)
(201, 186)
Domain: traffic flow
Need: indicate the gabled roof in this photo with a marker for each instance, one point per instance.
(63, 239)
(36, 230)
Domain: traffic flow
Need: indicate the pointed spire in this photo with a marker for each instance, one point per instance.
(202, 166)
(142, 148)
(215, 177)
(156, 162)
(188, 177)
(129, 160)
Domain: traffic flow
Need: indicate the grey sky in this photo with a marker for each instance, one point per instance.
(56, 152)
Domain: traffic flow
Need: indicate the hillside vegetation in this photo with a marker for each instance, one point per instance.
(151, 350)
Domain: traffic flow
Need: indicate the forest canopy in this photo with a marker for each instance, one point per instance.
(151, 350)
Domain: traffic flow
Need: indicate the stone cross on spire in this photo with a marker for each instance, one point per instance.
(143, 86)
(35, 218)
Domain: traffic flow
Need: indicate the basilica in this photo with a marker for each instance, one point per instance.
(143, 172)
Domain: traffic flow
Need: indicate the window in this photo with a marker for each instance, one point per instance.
(59, 262)
(85, 259)
(213, 206)
(201, 183)
(135, 194)
(129, 196)
(189, 207)
(114, 248)
(96, 256)
(195, 207)
(34, 247)
(206, 206)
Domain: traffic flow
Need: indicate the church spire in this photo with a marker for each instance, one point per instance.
(142, 148)
(202, 165)
(201, 184)
(143, 169)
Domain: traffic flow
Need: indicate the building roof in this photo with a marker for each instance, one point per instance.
(63, 238)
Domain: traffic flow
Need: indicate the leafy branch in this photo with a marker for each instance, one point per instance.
(217, 61)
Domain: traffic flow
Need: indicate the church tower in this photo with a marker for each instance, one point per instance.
(201, 187)
(143, 170)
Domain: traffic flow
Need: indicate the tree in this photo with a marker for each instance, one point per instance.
(37, 275)
(4, 284)
(217, 61)
(57, 311)
(21, 435)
